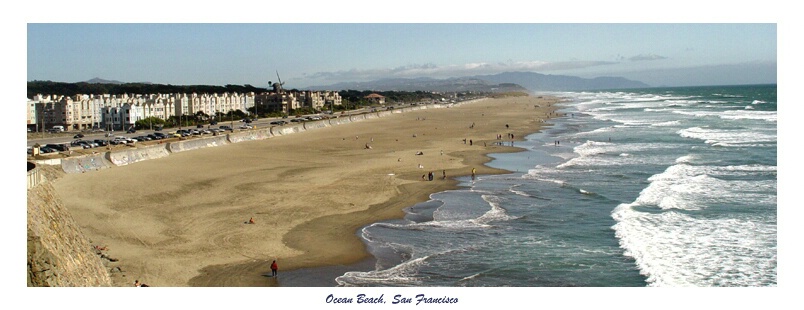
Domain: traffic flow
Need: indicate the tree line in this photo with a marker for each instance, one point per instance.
(72, 89)
(354, 97)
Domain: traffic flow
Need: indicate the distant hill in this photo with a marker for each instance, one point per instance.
(503, 82)
(102, 81)
(426, 84)
(542, 82)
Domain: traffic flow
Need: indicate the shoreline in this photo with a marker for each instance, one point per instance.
(353, 251)
(300, 235)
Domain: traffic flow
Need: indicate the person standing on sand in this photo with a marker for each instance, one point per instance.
(274, 268)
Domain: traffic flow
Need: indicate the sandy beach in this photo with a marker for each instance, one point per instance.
(182, 220)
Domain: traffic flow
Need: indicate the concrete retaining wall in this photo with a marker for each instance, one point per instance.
(49, 162)
(316, 124)
(194, 144)
(339, 120)
(80, 164)
(34, 177)
(133, 155)
(286, 130)
(384, 113)
(357, 117)
(250, 135)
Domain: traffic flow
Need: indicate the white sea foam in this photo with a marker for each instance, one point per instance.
(543, 174)
(688, 187)
(518, 192)
(404, 273)
(727, 137)
(685, 159)
(496, 213)
(594, 153)
(769, 116)
(666, 124)
(678, 250)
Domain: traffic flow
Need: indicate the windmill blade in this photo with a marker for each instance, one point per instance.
(277, 77)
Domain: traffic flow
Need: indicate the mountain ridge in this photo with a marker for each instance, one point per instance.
(506, 81)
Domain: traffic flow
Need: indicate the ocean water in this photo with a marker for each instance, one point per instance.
(672, 187)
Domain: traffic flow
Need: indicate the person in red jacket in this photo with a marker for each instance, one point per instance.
(274, 268)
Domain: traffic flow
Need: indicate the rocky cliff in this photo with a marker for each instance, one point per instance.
(58, 252)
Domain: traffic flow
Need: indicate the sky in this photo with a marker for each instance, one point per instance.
(305, 53)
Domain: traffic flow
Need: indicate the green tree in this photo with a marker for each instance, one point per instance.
(149, 122)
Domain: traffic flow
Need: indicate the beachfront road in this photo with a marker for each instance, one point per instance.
(67, 137)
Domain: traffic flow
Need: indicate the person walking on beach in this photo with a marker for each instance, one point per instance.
(274, 268)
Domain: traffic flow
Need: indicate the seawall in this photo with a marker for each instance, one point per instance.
(58, 252)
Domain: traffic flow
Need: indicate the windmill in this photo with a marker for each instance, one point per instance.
(277, 86)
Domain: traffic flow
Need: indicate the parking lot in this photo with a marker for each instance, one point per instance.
(89, 142)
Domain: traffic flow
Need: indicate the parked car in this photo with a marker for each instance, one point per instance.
(82, 144)
(125, 139)
(213, 122)
(78, 136)
(225, 127)
(160, 135)
(45, 150)
(101, 142)
(131, 130)
(58, 147)
(246, 127)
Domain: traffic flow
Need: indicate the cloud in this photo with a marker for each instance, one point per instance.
(435, 71)
(643, 57)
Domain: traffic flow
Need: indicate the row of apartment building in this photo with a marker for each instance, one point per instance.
(117, 112)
